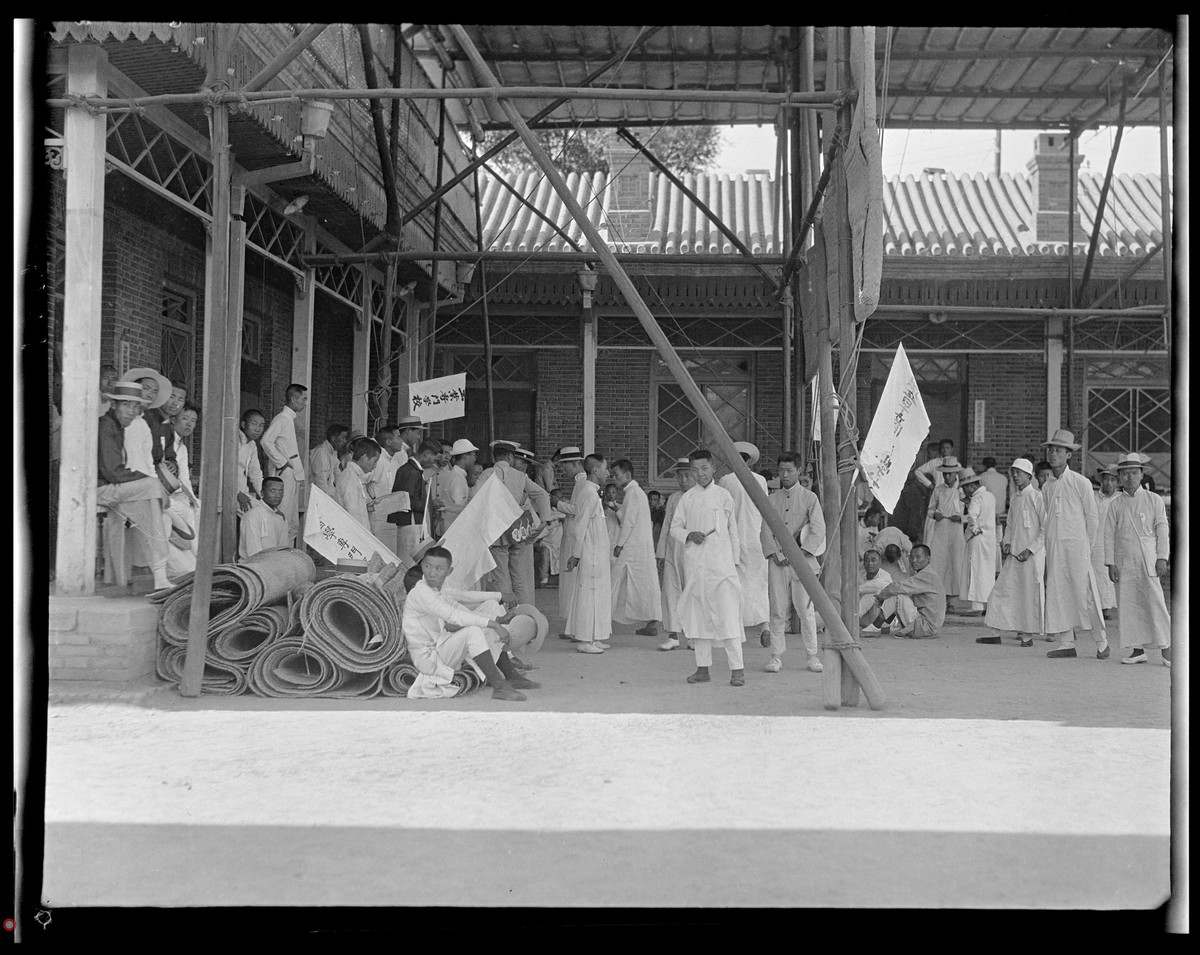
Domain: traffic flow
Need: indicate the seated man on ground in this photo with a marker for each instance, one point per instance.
(917, 601)
(894, 562)
(871, 579)
(442, 634)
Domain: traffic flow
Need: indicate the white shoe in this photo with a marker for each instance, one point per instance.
(1138, 656)
(588, 648)
(870, 628)
(602, 645)
(671, 644)
(774, 665)
(815, 665)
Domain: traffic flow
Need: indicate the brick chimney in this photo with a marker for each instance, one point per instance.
(629, 212)
(1049, 169)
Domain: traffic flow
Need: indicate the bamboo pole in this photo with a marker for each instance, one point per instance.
(1072, 193)
(789, 266)
(437, 237)
(286, 56)
(825, 100)
(214, 384)
(1116, 286)
(791, 549)
(487, 327)
(1102, 202)
(382, 145)
(1140, 311)
(699, 203)
(1165, 180)
(572, 258)
(235, 296)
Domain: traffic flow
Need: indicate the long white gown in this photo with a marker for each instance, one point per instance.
(591, 605)
(752, 565)
(979, 568)
(1019, 598)
(636, 597)
(1108, 590)
(1136, 535)
(1072, 598)
(710, 606)
(671, 552)
(945, 537)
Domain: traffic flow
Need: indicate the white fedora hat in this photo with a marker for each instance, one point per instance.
(127, 391)
(462, 446)
(746, 448)
(528, 628)
(164, 384)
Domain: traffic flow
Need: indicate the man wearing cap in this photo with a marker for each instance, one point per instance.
(1072, 523)
(129, 494)
(1104, 498)
(279, 443)
(155, 421)
(636, 596)
(1136, 550)
(752, 565)
(410, 478)
(570, 459)
(943, 528)
(801, 512)
(514, 562)
(589, 622)
(670, 560)
(1018, 599)
(454, 491)
(323, 459)
(979, 567)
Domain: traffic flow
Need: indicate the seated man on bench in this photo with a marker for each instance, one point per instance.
(131, 495)
(442, 634)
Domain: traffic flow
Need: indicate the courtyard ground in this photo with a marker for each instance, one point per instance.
(995, 777)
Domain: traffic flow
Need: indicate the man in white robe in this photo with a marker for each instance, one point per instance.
(670, 561)
(351, 486)
(872, 578)
(710, 606)
(801, 512)
(635, 592)
(392, 455)
(588, 568)
(944, 531)
(323, 459)
(979, 567)
(1104, 498)
(1136, 550)
(1018, 600)
(279, 442)
(752, 564)
(570, 460)
(1072, 598)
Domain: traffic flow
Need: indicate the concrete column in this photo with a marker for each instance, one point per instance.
(75, 556)
(1054, 362)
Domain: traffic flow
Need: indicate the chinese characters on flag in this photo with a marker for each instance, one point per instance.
(898, 430)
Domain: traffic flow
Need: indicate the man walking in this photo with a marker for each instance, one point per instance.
(1136, 550)
(1019, 598)
(1072, 523)
(752, 564)
(636, 596)
(590, 620)
(279, 443)
(1104, 498)
(801, 512)
(710, 606)
(670, 561)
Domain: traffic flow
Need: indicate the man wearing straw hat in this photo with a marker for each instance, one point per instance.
(1104, 498)
(570, 459)
(670, 561)
(944, 528)
(1072, 523)
(1136, 550)
(153, 429)
(1018, 599)
(979, 567)
(131, 495)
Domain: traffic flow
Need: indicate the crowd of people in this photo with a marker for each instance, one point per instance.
(1035, 552)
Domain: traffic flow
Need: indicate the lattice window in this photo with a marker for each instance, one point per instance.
(251, 336)
(927, 368)
(1129, 419)
(1117, 335)
(178, 306)
(1019, 333)
(507, 369)
(165, 161)
(271, 231)
(1121, 369)
(727, 383)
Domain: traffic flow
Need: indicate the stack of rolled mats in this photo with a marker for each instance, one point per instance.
(275, 631)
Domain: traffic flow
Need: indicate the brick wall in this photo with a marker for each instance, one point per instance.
(100, 638)
(623, 407)
(560, 400)
(1014, 389)
(269, 292)
(767, 433)
(329, 392)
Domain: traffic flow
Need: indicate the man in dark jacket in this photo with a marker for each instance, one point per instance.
(410, 478)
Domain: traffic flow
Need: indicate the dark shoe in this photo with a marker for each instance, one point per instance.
(1105, 653)
(764, 638)
(523, 683)
(1062, 652)
(700, 676)
(737, 678)
(1027, 643)
(987, 639)
(506, 692)
(647, 631)
(565, 636)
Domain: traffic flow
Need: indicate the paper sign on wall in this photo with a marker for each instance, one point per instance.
(439, 398)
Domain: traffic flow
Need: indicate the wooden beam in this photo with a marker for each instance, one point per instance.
(1102, 202)
(235, 293)
(285, 56)
(1117, 53)
(572, 258)
(1164, 141)
(487, 325)
(84, 142)
(360, 369)
(382, 146)
(679, 371)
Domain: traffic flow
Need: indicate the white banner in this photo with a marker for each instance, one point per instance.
(439, 398)
(335, 535)
(485, 518)
(897, 433)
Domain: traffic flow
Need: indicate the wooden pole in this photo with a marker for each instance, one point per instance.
(235, 292)
(303, 319)
(285, 56)
(382, 144)
(216, 321)
(1164, 151)
(360, 362)
(791, 549)
(487, 325)
(437, 237)
(84, 134)
(1072, 191)
(520, 258)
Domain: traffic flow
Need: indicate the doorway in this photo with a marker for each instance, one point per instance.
(942, 380)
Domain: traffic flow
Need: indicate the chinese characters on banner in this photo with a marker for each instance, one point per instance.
(439, 398)
(335, 535)
(897, 433)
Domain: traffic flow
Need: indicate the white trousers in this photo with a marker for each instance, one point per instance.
(289, 507)
(1067, 637)
(704, 652)
(407, 539)
(785, 591)
(138, 502)
(904, 609)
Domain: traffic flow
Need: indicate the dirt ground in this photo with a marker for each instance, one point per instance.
(994, 777)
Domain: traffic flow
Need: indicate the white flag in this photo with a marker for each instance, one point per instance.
(335, 535)
(897, 432)
(487, 516)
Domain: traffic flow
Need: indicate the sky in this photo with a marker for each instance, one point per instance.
(909, 152)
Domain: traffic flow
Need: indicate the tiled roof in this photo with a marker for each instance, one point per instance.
(933, 214)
